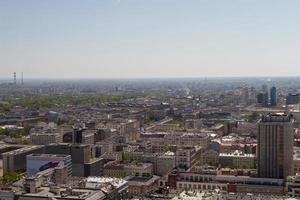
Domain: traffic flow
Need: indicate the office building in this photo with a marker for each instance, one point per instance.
(262, 99)
(15, 160)
(237, 159)
(45, 138)
(292, 99)
(94, 167)
(40, 162)
(275, 146)
(273, 96)
(81, 154)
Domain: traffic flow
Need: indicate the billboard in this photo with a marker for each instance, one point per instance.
(35, 166)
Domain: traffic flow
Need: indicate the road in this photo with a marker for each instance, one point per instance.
(163, 121)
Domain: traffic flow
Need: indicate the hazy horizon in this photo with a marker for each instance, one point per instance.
(136, 39)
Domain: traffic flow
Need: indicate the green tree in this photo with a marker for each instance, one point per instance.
(3, 131)
(10, 177)
(26, 142)
(171, 148)
(198, 163)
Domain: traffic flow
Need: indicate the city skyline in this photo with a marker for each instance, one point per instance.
(149, 39)
(149, 99)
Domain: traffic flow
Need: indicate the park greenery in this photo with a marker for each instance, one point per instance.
(3, 131)
(178, 121)
(12, 133)
(26, 142)
(171, 148)
(44, 102)
(130, 158)
(39, 102)
(10, 177)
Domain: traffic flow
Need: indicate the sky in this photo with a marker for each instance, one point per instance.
(149, 38)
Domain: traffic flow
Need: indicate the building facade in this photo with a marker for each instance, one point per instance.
(275, 146)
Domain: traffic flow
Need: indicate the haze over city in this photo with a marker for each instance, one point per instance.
(149, 99)
(149, 39)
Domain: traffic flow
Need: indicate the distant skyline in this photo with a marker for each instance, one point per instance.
(149, 38)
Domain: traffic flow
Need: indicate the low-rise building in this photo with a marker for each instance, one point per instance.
(138, 186)
(114, 188)
(45, 138)
(119, 169)
(237, 159)
(293, 186)
(62, 193)
(187, 156)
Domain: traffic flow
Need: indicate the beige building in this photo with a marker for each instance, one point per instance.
(140, 169)
(137, 186)
(45, 138)
(120, 170)
(237, 159)
(130, 130)
(186, 157)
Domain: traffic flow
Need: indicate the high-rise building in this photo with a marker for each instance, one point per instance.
(15, 78)
(265, 88)
(81, 154)
(292, 99)
(262, 99)
(273, 96)
(275, 146)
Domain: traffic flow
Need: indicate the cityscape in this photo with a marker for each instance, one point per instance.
(214, 138)
(149, 100)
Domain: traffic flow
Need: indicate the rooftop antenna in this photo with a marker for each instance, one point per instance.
(15, 78)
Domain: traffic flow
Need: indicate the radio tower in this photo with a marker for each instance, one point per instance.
(15, 78)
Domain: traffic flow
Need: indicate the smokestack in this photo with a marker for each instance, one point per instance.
(15, 78)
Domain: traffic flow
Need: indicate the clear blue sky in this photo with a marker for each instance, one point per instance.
(149, 38)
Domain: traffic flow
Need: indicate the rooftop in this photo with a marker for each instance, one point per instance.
(116, 182)
(48, 155)
(68, 193)
(276, 117)
(22, 150)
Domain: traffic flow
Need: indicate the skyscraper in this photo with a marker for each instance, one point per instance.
(292, 99)
(275, 146)
(273, 94)
(15, 78)
(262, 99)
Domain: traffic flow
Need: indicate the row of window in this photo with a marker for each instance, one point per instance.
(201, 186)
